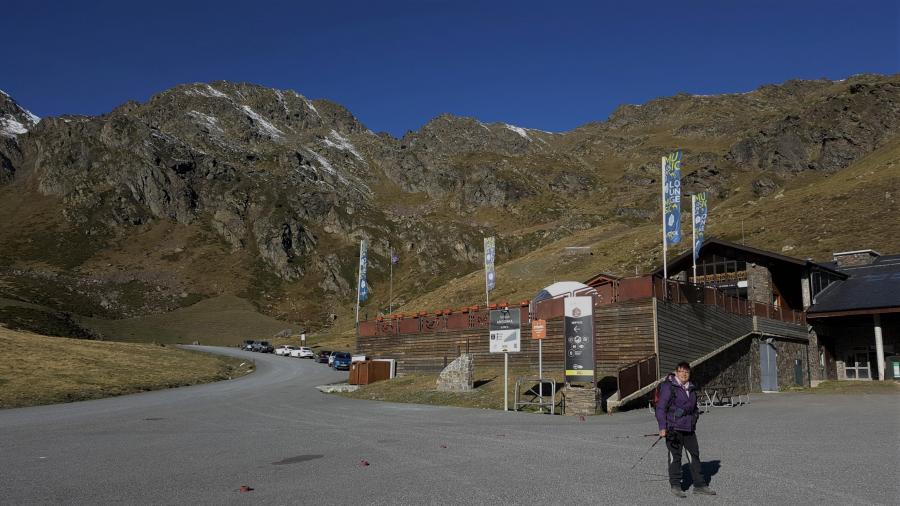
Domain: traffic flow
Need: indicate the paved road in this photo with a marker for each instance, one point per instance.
(294, 445)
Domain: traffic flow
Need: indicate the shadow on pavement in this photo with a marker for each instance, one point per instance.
(708, 469)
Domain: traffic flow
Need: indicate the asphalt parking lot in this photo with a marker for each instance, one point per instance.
(291, 444)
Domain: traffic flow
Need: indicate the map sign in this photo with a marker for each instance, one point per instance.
(505, 330)
(579, 321)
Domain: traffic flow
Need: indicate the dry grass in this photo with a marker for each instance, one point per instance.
(422, 389)
(39, 369)
(853, 387)
(225, 320)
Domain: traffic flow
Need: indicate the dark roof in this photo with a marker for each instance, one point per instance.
(674, 263)
(874, 286)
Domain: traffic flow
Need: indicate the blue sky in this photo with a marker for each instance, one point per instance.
(395, 65)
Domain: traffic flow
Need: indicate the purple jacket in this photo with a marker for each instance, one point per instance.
(680, 413)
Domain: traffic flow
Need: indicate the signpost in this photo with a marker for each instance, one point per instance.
(539, 332)
(579, 325)
(506, 337)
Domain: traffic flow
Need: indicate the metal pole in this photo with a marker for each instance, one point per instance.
(505, 381)
(665, 247)
(391, 296)
(541, 370)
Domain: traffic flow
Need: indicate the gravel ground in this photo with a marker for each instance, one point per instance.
(274, 432)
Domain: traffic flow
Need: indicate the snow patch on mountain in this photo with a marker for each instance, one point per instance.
(205, 90)
(307, 102)
(325, 165)
(10, 127)
(262, 124)
(338, 141)
(210, 122)
(519, 130)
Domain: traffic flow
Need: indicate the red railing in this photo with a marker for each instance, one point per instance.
(636, 375)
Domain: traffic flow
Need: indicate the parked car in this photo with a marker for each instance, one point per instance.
(302, 352)
(263, 347)
(341, 361)
(248, 345)
(285, 350)
(322, 357)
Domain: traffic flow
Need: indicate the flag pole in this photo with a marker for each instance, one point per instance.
(694, 233)
(391, 296)
(665, 247)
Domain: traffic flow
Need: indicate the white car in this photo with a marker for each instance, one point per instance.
(285, 350)
(302, 352)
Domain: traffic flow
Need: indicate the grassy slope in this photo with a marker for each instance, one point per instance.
(813, 216)
(39, 369)
(223, 320)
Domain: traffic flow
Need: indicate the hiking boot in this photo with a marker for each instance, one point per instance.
(704, 491)
(677, 492)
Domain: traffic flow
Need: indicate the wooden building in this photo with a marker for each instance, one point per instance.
(856, 319)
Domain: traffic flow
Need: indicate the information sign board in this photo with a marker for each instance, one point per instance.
(505, 331)
(579, 324)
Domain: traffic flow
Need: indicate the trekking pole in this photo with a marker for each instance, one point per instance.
(659, 438)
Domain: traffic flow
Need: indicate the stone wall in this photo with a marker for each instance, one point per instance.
(786, 353)
(816, 368)
(759, 283)
(731, 368)
(738, 366)
(581, 401)
(865, 257)
(458, 376)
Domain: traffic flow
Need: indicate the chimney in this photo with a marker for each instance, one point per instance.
(855, 258)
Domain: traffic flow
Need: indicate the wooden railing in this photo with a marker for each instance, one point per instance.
(636, 375)
(681, 292)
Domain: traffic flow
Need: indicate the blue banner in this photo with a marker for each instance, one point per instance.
(672, 197)
(700, 212)
(489, 263)
(363, 260)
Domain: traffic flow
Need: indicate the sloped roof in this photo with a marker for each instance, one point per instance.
(875, 286)
(684, 260)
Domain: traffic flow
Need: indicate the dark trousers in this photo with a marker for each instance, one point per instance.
(675, 441)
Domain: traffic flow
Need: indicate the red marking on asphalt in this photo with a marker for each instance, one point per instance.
(245, 488)
(581, 418)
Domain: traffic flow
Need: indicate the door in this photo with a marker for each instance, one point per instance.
(768, 367)
(857, 366)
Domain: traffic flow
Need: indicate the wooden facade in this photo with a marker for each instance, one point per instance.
(623, 334)
(690, 331)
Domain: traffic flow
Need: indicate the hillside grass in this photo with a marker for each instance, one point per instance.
(226, 320)
(39, 369)
(422, 389)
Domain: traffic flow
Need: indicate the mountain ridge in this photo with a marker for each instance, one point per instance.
(285, 187)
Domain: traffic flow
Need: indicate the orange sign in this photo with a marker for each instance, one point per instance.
(538, 329)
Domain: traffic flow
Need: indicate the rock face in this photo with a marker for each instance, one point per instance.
(458, 376)
(294, 184)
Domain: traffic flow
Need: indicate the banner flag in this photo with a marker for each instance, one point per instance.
(700, 213)
(363, 260)
(489, 263)
(394, 258)
(672, 197)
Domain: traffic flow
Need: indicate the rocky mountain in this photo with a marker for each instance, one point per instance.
(235, 188)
